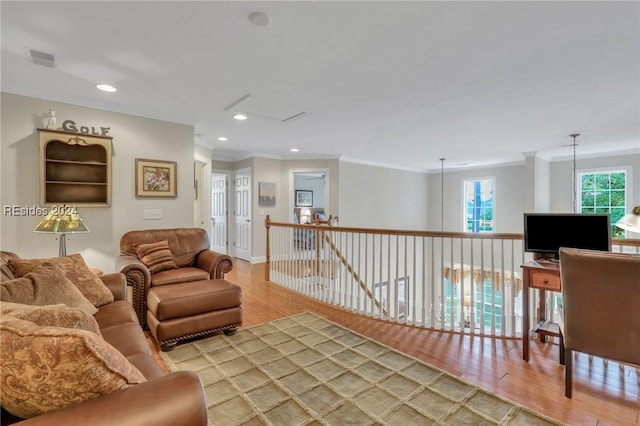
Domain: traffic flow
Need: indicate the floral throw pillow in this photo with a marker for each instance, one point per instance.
(49, 368)
(59, 315)
(45, 285)
(156, 256)
(74, 268)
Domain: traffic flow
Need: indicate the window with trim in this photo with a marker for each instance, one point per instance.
(478, 205)
(604, 192)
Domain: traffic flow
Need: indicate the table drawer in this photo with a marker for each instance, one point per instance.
(545, 281)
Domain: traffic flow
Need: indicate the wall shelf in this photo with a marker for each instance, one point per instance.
(75, 169)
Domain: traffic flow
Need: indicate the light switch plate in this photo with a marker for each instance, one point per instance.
(151, 214)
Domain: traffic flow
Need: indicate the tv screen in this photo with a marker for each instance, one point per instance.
(546, 232)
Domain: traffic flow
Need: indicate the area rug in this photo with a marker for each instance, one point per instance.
(306, 370)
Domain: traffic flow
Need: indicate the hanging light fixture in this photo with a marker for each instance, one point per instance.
(574, 178)
(442, 194)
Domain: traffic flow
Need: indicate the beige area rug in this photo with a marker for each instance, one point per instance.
(306, 370)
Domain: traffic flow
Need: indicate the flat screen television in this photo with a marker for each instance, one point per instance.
(545, 233)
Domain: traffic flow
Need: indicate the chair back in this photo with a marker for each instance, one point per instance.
(601, 303)
(185, 243)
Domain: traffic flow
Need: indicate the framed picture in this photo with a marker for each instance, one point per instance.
(304, 198)
(266, 194)
(156, 179)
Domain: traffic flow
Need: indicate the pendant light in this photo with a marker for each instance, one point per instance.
(442, 194)
(574, 178)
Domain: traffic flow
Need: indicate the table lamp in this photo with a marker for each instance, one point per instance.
(305, 216)
(56, 222)
(630, 221)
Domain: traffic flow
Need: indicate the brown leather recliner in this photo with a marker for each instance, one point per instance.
(191, 253)
(601, 302)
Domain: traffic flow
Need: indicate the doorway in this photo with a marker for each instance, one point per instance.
(309, 194)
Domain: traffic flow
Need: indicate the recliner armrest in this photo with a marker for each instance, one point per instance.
(175, 399)
(217, 264)
(139, 278)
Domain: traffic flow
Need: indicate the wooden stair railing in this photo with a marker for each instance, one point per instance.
(352, 271)
(336, 252)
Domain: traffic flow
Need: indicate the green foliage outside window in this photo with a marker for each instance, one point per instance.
(604, 192)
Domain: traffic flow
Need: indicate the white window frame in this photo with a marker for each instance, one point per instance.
(628, 203)
(464, 201)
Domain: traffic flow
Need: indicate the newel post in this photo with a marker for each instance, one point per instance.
(267, 224)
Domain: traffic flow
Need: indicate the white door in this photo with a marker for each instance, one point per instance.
(242, 214)
(219, 237)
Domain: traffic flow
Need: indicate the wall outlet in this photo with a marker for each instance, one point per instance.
(151, 214)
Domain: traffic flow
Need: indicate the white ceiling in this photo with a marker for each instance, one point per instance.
(399, 84)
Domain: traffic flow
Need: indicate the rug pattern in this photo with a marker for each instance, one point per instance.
(306, 370)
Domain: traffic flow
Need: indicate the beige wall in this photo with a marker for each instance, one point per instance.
(133, 137)
(377, 197)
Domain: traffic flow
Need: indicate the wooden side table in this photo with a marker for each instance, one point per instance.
(542, 276)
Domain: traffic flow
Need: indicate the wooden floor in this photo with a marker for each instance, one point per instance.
(604, 393)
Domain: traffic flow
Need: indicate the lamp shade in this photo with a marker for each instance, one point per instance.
(59, 222)
(630, 221)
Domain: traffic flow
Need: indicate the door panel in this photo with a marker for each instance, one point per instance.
(243, 217)
(219, 237)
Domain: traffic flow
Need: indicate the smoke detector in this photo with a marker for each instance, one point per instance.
(259, 19)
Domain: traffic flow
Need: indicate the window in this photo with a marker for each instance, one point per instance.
(478, 205)
(604, 192)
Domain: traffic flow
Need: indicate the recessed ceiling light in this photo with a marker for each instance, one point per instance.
(223, 139)
(106, 87)
(294, 150)
(240, 116)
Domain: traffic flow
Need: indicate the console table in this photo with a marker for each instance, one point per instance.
(542, 276)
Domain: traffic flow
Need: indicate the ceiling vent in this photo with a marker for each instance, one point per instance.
(267, 108)
(42, 58)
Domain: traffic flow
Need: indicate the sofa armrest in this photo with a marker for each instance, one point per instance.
(217, 264)
(139, 278)
(175, 399)
(117, 284)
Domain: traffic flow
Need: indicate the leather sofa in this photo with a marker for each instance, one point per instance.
(191, 253)
(176, 398)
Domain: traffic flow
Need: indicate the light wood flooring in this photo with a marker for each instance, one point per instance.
(604, 393)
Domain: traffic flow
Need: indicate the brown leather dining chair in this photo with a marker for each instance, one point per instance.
(600, 307)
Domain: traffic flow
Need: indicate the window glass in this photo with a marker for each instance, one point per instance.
(604, 192)
(478, 205)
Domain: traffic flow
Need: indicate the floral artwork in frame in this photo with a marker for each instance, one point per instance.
(156, 179)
